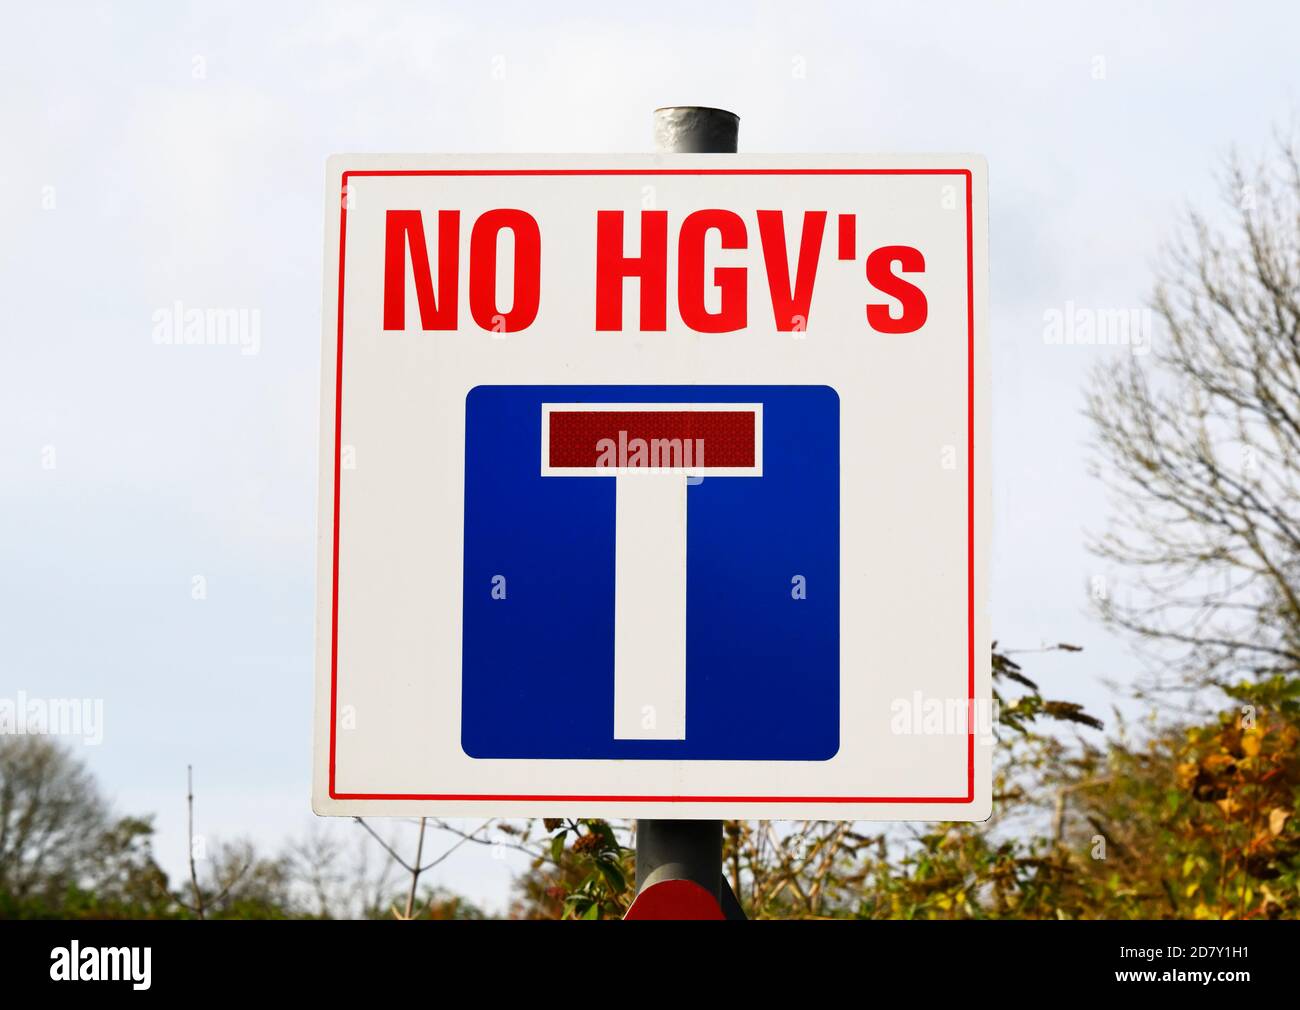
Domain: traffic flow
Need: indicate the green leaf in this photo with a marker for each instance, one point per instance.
(613, 875)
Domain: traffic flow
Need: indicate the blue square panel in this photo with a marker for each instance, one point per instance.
(762, 608)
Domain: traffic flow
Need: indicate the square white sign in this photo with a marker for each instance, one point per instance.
(654, 486)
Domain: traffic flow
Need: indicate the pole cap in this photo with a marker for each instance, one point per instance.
(696, 129)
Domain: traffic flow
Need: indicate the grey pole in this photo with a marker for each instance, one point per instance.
(688, 850)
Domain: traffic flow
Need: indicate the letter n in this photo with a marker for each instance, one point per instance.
(437, 308)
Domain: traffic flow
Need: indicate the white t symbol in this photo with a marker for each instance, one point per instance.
(651, 449)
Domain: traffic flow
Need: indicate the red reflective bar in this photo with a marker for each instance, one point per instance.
(719, 438)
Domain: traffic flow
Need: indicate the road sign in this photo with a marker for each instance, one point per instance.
(654, 486)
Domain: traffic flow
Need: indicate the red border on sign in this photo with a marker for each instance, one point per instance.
(970, 493)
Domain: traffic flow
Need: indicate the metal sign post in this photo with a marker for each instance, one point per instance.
(679, 849)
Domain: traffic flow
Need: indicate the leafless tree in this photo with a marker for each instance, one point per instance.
(413, 907)
(337, 876)
(1200, 443)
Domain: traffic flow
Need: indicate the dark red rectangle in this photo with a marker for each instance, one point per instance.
(717, 438)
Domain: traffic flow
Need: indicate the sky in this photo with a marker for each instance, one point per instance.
(158, 153)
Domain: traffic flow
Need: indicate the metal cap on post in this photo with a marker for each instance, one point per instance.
(696, 129)
(682, 850)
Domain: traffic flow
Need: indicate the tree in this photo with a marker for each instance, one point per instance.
(1200, 442)
(1201, 447)
(51, 814)
(1189, 822)
(414, 903)
(62, 853)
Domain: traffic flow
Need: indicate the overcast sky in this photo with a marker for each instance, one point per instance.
(163, 152)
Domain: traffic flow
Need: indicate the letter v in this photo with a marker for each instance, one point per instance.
(790, 308)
